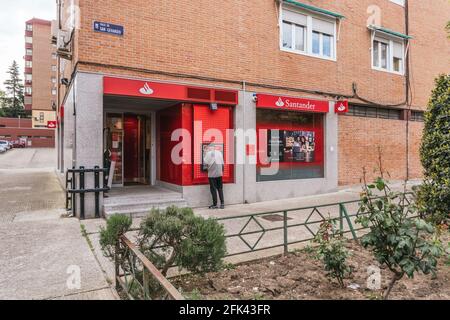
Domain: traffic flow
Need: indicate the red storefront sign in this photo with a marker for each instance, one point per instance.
(289, 103)
(51, 124)
(341, 106)
(169, 91)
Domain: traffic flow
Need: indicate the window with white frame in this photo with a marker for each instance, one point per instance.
(29, 52)
(28, 39)
(306, 34)
(28, 90)
(388, 55)
(29, 27)
(28, 77)
(28, 64)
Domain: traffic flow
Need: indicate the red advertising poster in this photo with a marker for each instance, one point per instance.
(292, 104)
(51, 124)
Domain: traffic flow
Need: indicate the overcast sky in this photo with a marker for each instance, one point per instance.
(13, 15)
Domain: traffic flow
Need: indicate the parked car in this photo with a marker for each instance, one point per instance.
(18, 144)
(2, 148)
(5, 144)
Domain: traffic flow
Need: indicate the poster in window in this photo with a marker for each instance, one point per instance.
(292, 146)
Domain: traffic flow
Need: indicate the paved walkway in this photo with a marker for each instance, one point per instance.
(42, 255)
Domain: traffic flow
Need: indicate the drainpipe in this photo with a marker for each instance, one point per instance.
(408, 88)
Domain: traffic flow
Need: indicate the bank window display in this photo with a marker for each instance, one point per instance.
(290, 145)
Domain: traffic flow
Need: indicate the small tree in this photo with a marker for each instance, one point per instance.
(403, 244)
(332, 251)
(434, 195)
(2, 103)
(14, 90)
(177, 236)
(116, 226)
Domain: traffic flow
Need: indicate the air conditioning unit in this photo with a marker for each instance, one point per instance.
(63, 45)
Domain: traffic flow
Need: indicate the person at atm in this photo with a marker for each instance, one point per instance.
(214, 162)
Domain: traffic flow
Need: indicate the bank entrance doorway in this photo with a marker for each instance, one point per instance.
(128, 145)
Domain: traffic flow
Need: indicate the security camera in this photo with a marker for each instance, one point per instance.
(255, 98)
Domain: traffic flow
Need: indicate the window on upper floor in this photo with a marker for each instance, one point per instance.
(54, 55)
(29, 39)
(388, 55)
(29, 52)
(306, 34)
(54, 92)
(53, 68)
(28, 64)
(28, 77)
(28, 90)
(29, 27)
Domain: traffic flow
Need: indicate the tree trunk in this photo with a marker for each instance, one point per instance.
(168, 263)
(391, 285)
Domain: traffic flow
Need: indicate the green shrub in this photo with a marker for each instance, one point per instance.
(116, 226)
(332, 252)
(403, 244)
(433, 198)
(177, 236)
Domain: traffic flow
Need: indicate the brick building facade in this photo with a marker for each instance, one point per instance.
(380, 55)
(40, 74)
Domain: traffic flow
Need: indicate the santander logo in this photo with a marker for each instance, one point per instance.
(342, 107)
(146, 89)
(279, 103)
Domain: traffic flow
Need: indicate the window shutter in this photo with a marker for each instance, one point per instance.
(294, 17)
(323, 26)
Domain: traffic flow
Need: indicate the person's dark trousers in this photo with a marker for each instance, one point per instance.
(216, 186)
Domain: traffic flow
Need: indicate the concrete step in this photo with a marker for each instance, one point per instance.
(141, 208)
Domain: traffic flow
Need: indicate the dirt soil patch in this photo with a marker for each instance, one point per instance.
(300, 275)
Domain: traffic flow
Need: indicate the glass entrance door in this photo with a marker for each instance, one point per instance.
(128, 145)
(113, 153)
(136, 149)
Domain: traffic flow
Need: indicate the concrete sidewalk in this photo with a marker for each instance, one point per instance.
(42, 255)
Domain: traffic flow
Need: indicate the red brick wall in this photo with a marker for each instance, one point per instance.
(14, 122)
(430, 48)
(361, 138)
(236, 40)
(9, 130)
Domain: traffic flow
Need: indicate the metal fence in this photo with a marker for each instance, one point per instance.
(140, 279)
(283, 228)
